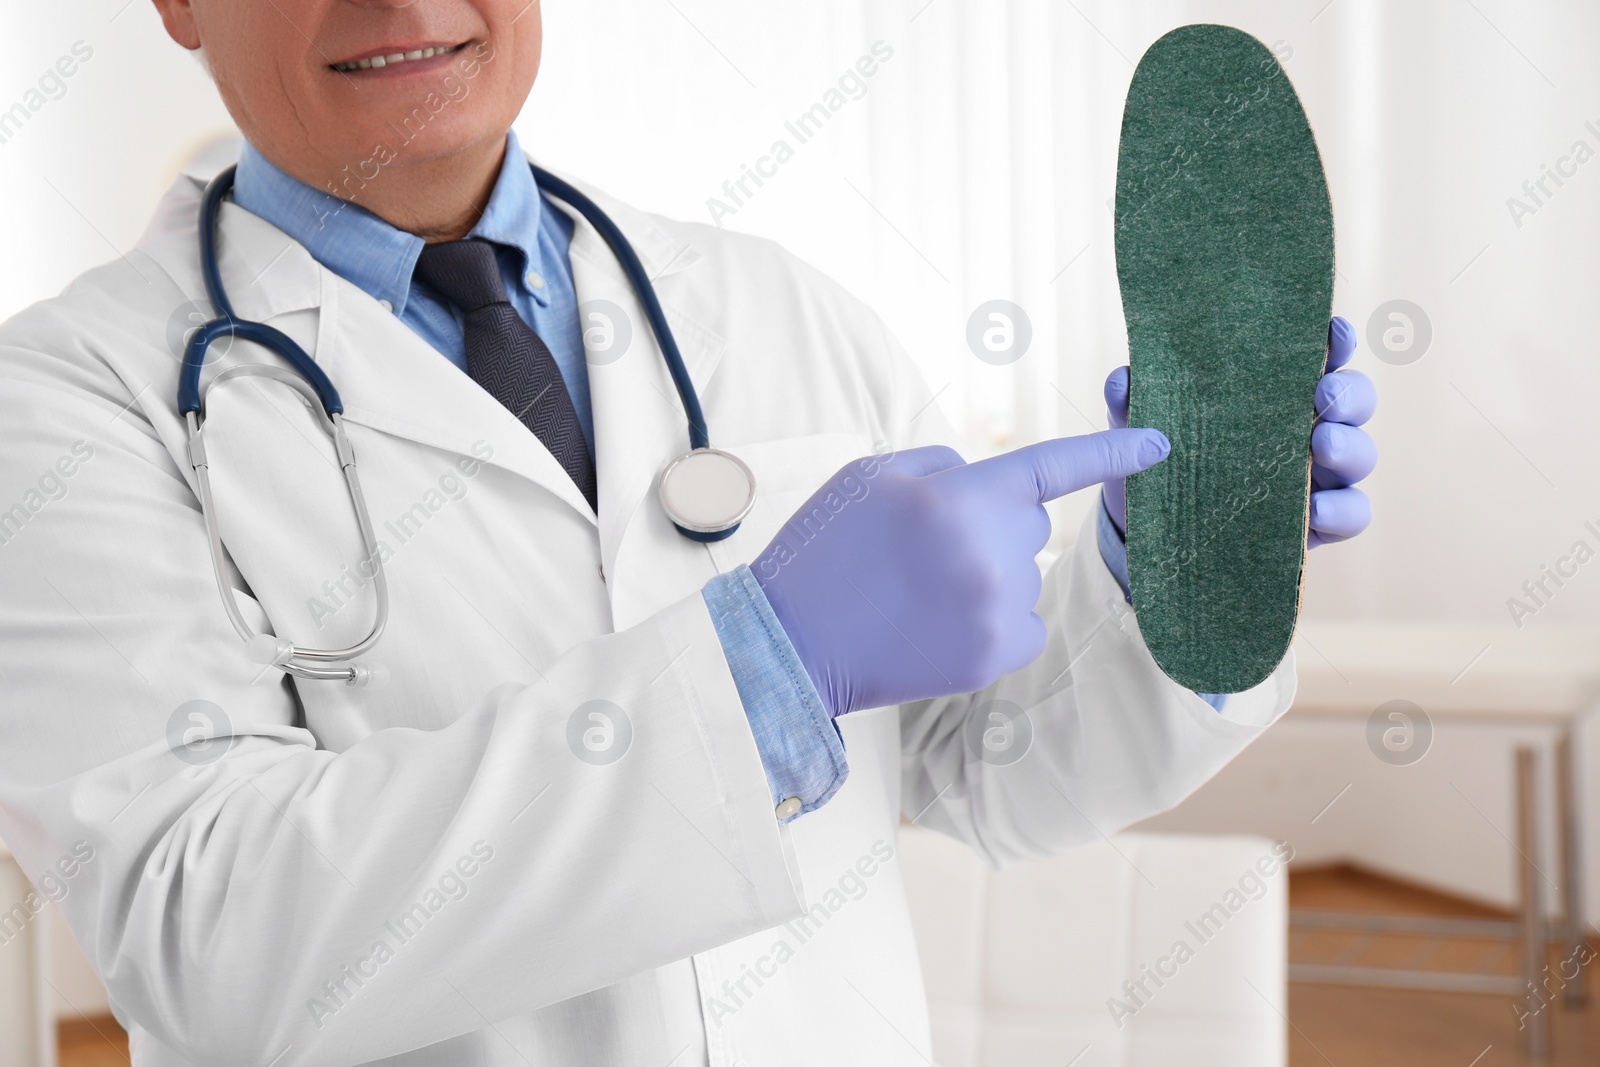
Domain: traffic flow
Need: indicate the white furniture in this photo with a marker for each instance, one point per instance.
(27, 1030)
(1022, 965)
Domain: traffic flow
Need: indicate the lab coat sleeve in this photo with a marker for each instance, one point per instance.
(260, 900)
(1086, 740)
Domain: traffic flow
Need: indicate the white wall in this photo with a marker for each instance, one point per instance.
(81, 175)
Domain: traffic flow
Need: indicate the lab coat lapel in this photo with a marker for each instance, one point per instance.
(640, 424)
(394, 381)
(389, 378)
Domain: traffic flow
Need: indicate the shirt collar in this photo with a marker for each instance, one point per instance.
(514, 214)
(365, 250)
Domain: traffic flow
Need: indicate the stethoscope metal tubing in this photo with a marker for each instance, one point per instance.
(334, 423)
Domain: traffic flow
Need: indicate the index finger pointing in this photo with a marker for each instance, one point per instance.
(1064, 465)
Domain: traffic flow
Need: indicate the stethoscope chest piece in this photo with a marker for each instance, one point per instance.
(707, 493)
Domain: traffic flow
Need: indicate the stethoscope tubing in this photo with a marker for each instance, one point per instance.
(228, 324)
(646, 291)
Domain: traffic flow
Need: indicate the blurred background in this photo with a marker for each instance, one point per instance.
(977, 163)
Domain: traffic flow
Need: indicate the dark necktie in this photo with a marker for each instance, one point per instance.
(505, 356)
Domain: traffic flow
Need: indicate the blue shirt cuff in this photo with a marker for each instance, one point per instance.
(800, 746)
(1114, 550)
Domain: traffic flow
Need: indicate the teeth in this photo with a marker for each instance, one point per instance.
(378, 62)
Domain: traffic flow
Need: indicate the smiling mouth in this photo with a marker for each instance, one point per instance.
(378, 62)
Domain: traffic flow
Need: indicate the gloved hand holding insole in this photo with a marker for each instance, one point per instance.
(1341, 453)
(912, 575)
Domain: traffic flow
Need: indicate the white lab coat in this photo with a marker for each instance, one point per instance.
(426, 871)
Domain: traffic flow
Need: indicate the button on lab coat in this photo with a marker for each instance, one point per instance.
(453, 868)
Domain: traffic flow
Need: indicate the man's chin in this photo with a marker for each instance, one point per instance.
(380, 150)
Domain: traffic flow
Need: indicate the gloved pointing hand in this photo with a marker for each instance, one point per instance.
(911, 575)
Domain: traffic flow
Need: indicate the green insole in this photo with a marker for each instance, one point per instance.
(1224, 238)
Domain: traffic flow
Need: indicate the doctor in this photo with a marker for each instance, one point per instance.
(623, 798)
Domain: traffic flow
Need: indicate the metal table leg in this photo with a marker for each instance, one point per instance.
(1532, 915)
(1574, 921)
(1531, 932)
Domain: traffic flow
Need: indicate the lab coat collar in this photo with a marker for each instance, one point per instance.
(267, 273)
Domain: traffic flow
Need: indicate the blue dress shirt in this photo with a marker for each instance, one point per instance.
(799, 745)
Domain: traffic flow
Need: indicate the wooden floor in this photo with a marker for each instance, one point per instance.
(97, 1042)
(1330, 1026)
(1356, 1027)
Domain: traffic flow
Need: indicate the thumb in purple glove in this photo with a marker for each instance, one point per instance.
(912, 575)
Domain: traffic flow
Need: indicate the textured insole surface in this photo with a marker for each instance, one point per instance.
(1224, 237)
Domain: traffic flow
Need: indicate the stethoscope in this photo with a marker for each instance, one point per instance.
(706, 492)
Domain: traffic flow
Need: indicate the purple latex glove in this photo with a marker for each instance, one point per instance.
(1341, 453)
(911, 575)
